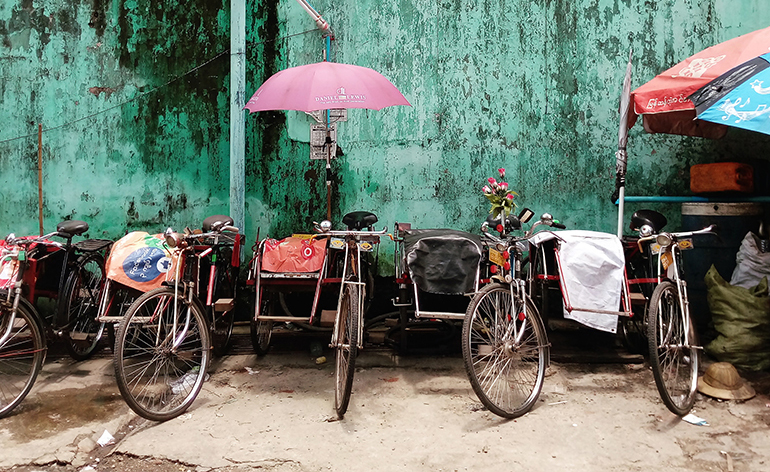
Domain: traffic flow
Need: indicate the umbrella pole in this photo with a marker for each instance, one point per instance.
(621, 197)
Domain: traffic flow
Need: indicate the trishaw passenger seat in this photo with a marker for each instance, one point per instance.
(209, 222)
(648, 217)
(358, 220)
(70, 228)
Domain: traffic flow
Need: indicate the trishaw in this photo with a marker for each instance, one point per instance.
(339, 262)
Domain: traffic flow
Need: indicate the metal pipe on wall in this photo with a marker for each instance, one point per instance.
(237, 115)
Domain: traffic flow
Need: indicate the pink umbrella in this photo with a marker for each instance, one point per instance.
(323, 86)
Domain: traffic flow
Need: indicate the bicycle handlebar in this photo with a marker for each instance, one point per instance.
(710, 229)
(352, 232)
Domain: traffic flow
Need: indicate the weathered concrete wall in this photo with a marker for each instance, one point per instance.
(532, 86)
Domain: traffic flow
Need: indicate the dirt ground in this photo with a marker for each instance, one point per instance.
(407, 413)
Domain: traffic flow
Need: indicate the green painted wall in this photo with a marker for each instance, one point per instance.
(133, 141)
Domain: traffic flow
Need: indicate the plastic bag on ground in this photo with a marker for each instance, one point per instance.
(741, 317)
(750, 263)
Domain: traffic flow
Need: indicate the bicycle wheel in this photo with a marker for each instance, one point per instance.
(262, 331)
(21, 355)
(347, 349)
(158, 381)
(674, 363)
(505, 352)
(81, 305)
(223, 322)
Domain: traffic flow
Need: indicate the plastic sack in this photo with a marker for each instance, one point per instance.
(741, 318)
(293, 254)
(140, 260)
(750, 263)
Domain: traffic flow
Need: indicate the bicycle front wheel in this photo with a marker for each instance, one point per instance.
(347, 348)
(21, 355)
(81, 304)
(505, 350)
(674, 360)
(157, 379)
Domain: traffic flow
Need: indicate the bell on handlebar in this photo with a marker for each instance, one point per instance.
(325, 226)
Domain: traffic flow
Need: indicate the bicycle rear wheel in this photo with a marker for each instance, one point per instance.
(505, 351)
(81, 305)
(157, 380)
(674, 362)
(21, 355)
(347, 348)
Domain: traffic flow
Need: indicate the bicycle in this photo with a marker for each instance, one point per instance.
(37, 267)
(504, 342)
(347, 334)
(163, 341)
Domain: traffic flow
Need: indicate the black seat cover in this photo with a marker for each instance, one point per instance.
(358, 220)
(648, 217)
(212, 220)
(70, 228)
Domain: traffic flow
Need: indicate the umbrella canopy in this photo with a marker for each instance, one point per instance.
(737, 97)
(323, 86)
(664, 100)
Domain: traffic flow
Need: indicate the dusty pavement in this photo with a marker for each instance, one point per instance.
(407, 413)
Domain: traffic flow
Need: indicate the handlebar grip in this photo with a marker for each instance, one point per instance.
(558, 225)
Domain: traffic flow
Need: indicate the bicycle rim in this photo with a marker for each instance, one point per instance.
(505, 370)
(157, 381)
(82, 305)
(21, 357)
(347, 349)
(674, 364)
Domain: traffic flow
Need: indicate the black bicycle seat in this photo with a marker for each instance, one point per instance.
(648, 217)
(358, 220)
(223, 220)
(70, 228)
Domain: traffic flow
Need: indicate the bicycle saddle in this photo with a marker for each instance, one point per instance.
(648, 217)
(70, 228)
(211, 221)
(358, 220)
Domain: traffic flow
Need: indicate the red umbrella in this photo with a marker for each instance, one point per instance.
(663, 100)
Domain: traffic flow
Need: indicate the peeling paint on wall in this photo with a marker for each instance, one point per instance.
(134, 100)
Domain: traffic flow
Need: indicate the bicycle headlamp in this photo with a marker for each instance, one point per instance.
(325, 226)
(664, 239)
(172, 238)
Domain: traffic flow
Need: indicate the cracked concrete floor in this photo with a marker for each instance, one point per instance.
(407, 413)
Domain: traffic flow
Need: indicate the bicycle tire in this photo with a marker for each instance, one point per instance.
(222, 324)
(157, 382)
(262, 331)
(21, 355)
(81, 305)
(674, 365)
(506, 375)
(347, 349)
